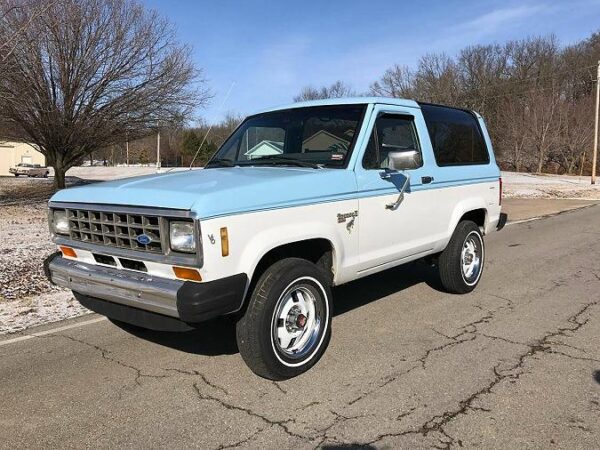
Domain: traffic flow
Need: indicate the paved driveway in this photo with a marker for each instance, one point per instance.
(516, 364)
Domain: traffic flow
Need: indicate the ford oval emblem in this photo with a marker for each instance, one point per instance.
(143, 239)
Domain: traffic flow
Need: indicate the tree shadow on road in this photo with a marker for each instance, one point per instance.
(217, 337)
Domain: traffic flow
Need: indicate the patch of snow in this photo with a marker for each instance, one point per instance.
(17, 315)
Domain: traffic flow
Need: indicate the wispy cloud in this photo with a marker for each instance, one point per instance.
(493, 21)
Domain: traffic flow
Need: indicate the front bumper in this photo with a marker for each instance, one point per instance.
(186, 301)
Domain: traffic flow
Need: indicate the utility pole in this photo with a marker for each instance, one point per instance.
(595, 155)
(127, 150)
(158, 148)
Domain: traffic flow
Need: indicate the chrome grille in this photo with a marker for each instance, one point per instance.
(115, 229)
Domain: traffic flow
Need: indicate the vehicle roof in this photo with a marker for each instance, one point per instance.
(346, 101)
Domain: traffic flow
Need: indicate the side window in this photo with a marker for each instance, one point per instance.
(455, 136)
(391, 133)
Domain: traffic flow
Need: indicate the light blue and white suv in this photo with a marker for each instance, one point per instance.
(299, 199)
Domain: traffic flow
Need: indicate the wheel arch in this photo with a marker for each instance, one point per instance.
(318, 250)
(479, 216)
(474, 209)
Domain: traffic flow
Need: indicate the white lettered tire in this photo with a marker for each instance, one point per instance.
(461, 263)
(287, 325)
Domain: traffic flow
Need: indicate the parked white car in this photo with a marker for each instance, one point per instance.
(29, 170)
(299, 199)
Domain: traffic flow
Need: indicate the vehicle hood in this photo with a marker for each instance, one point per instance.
(219, 191)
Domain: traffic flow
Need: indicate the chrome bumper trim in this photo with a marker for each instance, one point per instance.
(134, 289)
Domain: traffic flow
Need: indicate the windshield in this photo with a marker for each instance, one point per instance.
(312, 137)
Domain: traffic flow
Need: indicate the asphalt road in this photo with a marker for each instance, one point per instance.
(516, 364)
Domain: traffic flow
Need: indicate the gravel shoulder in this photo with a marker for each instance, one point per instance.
(26, 296)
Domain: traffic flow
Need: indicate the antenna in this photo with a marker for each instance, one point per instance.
(211, 126)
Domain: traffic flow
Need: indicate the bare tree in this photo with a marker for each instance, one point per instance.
(90, 73)
(511, 123)
(437, 80)
(482, 71)
(542, 113)
(398, 82)
(12, 37)
(336, 90)
(575, 134)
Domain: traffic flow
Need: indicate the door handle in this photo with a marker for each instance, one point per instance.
(426, 180)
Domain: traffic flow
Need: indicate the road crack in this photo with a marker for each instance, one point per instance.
(105, 354)
(541, 345)
(206, 381)
(242, 442)
(281, 424)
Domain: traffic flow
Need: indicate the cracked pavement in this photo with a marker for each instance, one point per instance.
(515, 364)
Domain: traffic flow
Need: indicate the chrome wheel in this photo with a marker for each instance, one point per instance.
(472, 257)
(297, 321)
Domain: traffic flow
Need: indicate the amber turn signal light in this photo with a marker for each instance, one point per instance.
(68, 251)
(224, 242)
(185, 273)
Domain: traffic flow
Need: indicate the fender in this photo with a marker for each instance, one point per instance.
(253, 235)
(463, 207)
(276, 236)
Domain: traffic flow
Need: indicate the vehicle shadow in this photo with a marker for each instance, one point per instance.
(212, 338)
(217, 337)
(374, 287)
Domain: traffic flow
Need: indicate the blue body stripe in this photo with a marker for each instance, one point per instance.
(368, 193)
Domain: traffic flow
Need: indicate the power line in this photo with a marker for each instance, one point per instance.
(531, 79)
(518, 94)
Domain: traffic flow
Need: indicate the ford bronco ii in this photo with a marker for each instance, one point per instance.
(297, 200)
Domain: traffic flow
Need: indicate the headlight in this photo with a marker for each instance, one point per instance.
(60, 222)
(182, 237)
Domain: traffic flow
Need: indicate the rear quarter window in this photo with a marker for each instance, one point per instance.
(455, 136)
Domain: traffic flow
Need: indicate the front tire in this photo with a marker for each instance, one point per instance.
(287, 325)
(461, 262)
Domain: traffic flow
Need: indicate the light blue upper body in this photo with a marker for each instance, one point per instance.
(231, 190)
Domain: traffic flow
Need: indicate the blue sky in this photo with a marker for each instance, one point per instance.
(271, 49)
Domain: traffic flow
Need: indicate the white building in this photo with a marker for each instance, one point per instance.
(13, 153)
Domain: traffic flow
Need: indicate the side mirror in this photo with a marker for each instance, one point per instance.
(404, 159)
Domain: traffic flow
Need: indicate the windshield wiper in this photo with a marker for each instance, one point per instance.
(220, 162)
(283, 160)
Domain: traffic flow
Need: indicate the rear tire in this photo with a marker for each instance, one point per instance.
(461, 262)
(287, 325)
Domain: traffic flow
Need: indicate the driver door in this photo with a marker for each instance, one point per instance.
(390, 235)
